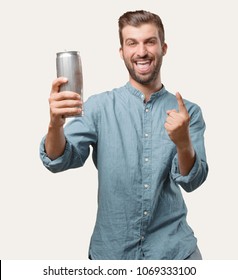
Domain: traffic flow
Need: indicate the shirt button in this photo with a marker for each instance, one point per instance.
(142, 237)
(146, 186)
(146, 135)
(146, 159)
(145, 213)
(147, 110)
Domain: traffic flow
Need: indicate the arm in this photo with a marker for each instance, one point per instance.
(186, 158)
(62, 105)
(55, 142)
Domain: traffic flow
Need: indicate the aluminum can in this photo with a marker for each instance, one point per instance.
(69, 65)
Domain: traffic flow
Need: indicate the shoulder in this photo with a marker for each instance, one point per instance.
(190, 105)
(106, 96)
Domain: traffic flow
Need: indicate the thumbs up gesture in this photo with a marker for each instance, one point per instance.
(177, 124)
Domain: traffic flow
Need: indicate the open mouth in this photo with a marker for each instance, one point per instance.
(143, 66)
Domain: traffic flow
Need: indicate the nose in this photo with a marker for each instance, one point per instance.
(141, 50)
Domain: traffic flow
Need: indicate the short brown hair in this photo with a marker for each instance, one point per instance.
(137, 18)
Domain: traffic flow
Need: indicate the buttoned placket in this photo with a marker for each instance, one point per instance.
(146, 169)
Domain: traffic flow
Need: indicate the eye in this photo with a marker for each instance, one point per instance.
(151, 42)
(131, 43)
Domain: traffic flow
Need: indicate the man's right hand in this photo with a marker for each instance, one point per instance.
(63, 104)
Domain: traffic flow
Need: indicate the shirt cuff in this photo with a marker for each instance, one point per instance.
(178, 178)
(57, 164)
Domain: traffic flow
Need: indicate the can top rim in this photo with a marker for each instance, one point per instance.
(67, 52)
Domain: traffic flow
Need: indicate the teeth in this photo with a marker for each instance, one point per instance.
(142, 62)
(143, 66)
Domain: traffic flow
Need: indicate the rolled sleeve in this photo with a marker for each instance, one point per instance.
(61, 163)
(194, 179)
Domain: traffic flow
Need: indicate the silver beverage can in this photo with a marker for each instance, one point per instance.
(69, 65)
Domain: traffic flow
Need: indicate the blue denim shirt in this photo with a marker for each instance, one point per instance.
(141, 212)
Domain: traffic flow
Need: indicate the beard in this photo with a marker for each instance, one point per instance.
(144, 79)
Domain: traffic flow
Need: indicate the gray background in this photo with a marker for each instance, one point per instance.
(51, 216)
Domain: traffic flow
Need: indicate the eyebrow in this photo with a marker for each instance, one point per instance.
(147, 39)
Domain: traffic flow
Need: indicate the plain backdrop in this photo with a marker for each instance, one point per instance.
(51, 216)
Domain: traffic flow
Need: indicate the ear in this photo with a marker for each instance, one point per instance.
(164, 48)
(121, 53)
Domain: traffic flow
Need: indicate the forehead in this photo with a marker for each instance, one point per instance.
(141, 32)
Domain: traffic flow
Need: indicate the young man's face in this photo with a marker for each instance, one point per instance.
(142, 53)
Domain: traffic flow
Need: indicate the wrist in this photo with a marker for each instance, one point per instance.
(56, 125)
(186, 147)
(184, 144)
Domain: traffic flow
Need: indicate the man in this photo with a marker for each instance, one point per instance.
(146, 143)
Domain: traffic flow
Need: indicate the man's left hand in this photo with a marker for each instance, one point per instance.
(177, 124)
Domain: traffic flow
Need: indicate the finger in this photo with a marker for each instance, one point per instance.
(65, 95)
(168, 112)
(168, 127)
(169, 121)
(67, 104)
(66, 112)
(181, 105)
(57, 83)
(73, 112)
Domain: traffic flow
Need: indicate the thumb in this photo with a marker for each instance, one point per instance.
(57, 83)
(181, 105)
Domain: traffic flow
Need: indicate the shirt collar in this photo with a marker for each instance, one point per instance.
(139, 94)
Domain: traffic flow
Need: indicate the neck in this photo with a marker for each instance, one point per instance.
(148, 89)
